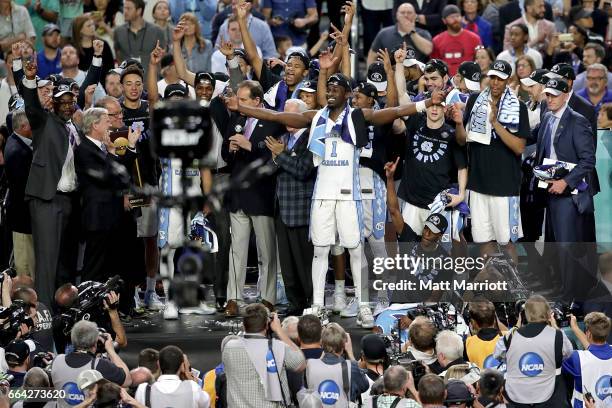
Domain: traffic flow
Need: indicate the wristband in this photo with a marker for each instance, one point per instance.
(420, 106)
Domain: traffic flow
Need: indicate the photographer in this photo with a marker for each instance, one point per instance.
(588, 366)
(17, 355)
(398, 384)
(169, 390)
(533, 356)
(480, 346)
(449, 349)
(42, 333)
(374, 360)
(66, 367)
(491, 387)
(89, 298)
(458, 394)
(338, 380)
(255, 365)
(432, 392)
(421, 345)
(35, 378)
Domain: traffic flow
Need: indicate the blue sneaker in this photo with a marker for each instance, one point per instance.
(152, 301)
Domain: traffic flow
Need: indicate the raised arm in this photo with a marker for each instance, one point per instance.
(177, 55)
(326, 61)
(392, 201)
(250, 48)
(295, 120)
(34, 110)
(392, 99)
(156, 56)
(93, 73)
(400, 80)
(388, 115)
(227, 49)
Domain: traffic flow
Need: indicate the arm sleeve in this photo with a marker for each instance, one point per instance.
(300, 166)
(267, 79)
(459, 155)
(524, 131)
(571, 365)
(567, 349)
(267, 46)
(585, 151)
(209, 9)
(293, 359)
(500, 349)
(34, 111)
(111, 372)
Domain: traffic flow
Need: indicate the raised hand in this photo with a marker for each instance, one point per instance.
(227, 49)
(89, 93)
(178, 32)
(455, 113)
(390, 168)
(383, 55)
(231, 102)
(98, 46)
(16, 49)
(133, 137)
(349, 10)
(400, 54)
(242, 10)
(30, 68)
(327, 59)
(156, 54)
(437, 97)
(337, 35)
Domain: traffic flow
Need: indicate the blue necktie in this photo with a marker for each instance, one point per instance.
(103, 147)
(548, 136)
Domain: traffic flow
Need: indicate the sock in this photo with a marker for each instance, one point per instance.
(355, 255)
(151, 283)
(320, 263)
(339, 287)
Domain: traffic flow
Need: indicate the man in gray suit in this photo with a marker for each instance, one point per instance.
(52, 184)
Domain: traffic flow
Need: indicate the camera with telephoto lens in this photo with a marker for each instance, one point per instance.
(90, 304)
(562, 313)
(406, 360)
(11, 319)
(43, 359)
(11, 272)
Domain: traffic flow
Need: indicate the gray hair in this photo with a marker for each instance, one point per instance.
(90, 117)
(450, 344)
(333, 338)
(36, 377)
(289, 320)
(301, 105)
(19, 118)
(84, 335)
(599, 67)
(105, 101)
(395, 378)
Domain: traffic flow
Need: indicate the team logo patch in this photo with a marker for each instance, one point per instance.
(499, 66)
(270, 363)
(476, 76)
(376, 76)
(329, 392)
(444, 135)
(531, 364)
(552, 83)
(428, 150)
(238, 129)
(435, 220)
(555, 68)
(492, 362)
(379, 226)
(603, 387)
(410, 54)
(74, 396)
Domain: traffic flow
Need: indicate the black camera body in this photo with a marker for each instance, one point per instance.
(13, 317)
(406, 360)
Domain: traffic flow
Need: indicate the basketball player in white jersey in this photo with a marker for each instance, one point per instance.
(337, 132)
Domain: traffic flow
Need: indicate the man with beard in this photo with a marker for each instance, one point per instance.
(497, 126)
(112, 84)
(52, 182)
(541, 31)
(146, 171)
(277, 90)
(48, 58)
(337, 134)
(596, 91)
(455, 45)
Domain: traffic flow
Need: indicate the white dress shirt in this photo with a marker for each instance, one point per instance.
(168, 384)
(558, 114)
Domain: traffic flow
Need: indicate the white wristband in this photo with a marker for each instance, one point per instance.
(420, 106)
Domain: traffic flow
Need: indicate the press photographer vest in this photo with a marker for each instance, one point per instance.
(268, 358)
(332, 382)
(64, 378)
(533, 365)
(181, 397)
(480, 351)
(596, 376)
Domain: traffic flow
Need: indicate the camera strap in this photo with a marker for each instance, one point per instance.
(394, 404)
(284, 402)
(345, 380)
(148, 395)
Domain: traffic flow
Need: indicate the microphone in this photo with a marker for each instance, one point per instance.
(240, 125)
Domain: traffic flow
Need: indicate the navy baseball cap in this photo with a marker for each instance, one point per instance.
(175, 90)
(556, 87)
(308, 86)
(436, 223)
(500, 69)
(562, 70)
(470, 71)
(367, 89)
(539, 76)
(377, 76)
(339, 80)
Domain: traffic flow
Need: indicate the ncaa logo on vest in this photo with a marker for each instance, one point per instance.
(270, 363)
(491, 362)
(74, 396)
(531, 364)
(603, 387)
(329, 392)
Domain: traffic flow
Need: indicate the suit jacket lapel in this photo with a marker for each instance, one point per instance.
(561, 126)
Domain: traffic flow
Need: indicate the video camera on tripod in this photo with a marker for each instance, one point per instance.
(90, 303)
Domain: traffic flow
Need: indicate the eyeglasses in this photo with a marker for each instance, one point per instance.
(120, 113)
(595, 78)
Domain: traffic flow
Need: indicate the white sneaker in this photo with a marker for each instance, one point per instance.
(152, 301)
(365, 318)
(171, 312)
(381, 305)
(351, 309)
(202, 309)
(339, 302)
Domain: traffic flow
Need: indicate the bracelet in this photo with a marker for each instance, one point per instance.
(420, 106)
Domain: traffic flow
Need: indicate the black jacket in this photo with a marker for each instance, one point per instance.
(257, 199)
(17, 161)
(100, 186)
(50, 143)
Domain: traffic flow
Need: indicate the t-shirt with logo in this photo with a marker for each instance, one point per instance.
(495, 169)
(149, 168)
(455, 49)
(43, 332)
(431, 160)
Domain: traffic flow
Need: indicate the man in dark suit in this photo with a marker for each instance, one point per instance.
(581, 106)
(565, 135)
(245, 142)
(17, 161)
(52, 183)
(295, 183)
(102, 177)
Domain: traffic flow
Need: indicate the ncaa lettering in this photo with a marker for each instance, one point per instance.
(531, 364)
(330, 395)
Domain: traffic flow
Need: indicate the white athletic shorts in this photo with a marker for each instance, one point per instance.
(147, 225)
(336, 222)
(491, 217)
(415, 217)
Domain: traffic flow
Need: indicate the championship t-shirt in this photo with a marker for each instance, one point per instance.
(148, 167)
(431, 160)
(495, 169)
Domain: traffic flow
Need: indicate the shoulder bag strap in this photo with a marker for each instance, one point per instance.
(148, 395)
(280, 382)
(396, 402)
(345, 380)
